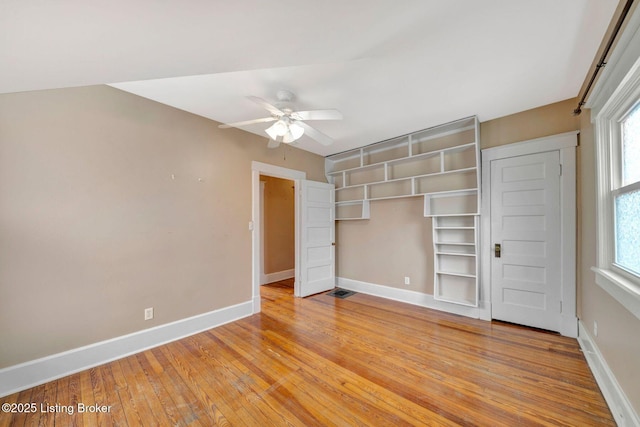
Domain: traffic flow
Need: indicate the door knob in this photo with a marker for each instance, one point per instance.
(497, 249)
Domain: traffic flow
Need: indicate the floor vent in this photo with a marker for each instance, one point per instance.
(341, 293)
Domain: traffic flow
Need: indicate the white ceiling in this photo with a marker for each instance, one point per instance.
(390, 66)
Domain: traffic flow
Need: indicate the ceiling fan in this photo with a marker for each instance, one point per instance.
(289, 124)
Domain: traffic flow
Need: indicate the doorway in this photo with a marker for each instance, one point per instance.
(528, 233)
(314, 214)
(277, 222)
(265, 169)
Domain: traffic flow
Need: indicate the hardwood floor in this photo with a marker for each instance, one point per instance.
(359, 361)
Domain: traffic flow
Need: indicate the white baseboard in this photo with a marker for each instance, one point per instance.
(257, 304)
(277, 276)
(30, 374)
(617, 400)
(405, 295)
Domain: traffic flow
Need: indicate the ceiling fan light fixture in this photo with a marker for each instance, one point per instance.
(285, 129)
(279, 128)
(288, 138)
(296, 130)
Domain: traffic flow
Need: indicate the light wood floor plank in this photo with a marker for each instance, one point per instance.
(324, 361)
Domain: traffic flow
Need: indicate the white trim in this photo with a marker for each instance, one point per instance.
(278, 275)
(619, 404)
(569, 239)
(277, 171)
(30, 374)
(406, 296)
(622, 290)
(531, 146)
(257, 169)
(263, 279)
(622, 59)
(565, 143)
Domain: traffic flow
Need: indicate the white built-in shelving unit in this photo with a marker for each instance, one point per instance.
(455, 248)
(440, 164)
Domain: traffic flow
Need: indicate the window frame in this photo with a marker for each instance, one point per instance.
(616, 145)
(615, 96)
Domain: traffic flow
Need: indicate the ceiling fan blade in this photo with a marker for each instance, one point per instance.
(317, 115)
(247, 122)
(315, 134)
(273, 143)
(264, 104)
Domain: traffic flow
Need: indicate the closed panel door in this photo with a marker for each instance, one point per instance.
(317, 233)
(525, 237)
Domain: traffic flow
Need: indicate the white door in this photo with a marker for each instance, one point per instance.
(316, 272)
(525, 222)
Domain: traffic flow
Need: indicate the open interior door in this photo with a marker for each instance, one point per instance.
(315, 238)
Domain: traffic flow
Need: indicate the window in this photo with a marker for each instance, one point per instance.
(626, 195)
(615, 112)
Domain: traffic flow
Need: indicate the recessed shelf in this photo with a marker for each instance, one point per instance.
(452, 273)
(455, 243)
(454, 228)
(456, 254)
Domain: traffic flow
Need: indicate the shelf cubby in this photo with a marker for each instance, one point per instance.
(392, 149)
(350, 194)
(460, 158)
(415, 166)
(364, 175)
(456, 289)
(453, 203)
(464, 265)
(427, 141)
(352, 210)
(344, 161)
(447, 182)
(390, 189)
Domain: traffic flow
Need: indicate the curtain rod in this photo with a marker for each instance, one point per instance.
(603, 58)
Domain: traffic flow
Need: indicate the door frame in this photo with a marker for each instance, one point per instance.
(565, 144)
(257, 169)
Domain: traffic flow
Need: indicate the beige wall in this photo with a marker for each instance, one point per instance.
(548, 120)
(279, 224)
(93, 228)
(394, 243)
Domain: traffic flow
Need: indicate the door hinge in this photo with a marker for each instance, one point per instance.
(560, 169)
(560, 306)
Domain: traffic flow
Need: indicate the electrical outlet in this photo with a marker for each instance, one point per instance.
(407, 280)
(148, 313)
(595, 328)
